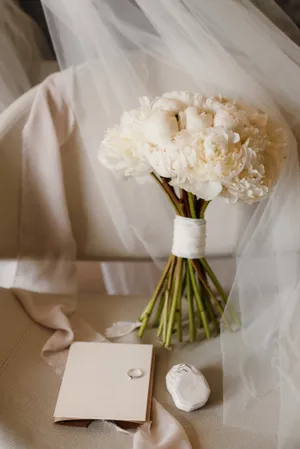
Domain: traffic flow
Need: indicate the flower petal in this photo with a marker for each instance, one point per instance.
(160, 127)
(207, 190)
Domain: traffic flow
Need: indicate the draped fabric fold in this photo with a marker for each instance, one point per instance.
(45, 278)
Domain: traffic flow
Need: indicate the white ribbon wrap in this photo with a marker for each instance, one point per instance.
(189, 237)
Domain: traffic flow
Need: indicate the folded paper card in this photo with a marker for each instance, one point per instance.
(106, 381)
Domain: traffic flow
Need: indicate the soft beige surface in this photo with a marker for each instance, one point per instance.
(28, 387)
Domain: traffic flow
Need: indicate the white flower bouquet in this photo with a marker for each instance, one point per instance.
(196, 148)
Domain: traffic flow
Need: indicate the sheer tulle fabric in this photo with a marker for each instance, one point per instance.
(130, 49)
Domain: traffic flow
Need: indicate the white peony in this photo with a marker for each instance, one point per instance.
(193, 120)
(132, 122)
(168, 104)
(176, 158)
(208, 146)
(160, 127)
(220, 156)
(198, 163)
(224, 154)
(214, 104)
(234, 120)
(122, 149)
(124, 156)
(249, 185)
(265, 155)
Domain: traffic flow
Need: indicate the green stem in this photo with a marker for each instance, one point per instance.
(192, 330)
(191, 200)
(199, 302)
(203, 209)
(147, 312)
(159, 308)
(219, 288)
(167, 300)
(214, 279)
(207, 302)
(212, 295)
(161, 324)
(176, 293)
(179, 303)
(179, 327)
(186, 203)
(167, 192)
(170, 191)
(211, 313)
(199, 289)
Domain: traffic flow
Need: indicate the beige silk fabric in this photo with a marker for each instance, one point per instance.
(45, 279)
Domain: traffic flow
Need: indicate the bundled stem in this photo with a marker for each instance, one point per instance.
(190, 300)
(186, 278)
(147, 312)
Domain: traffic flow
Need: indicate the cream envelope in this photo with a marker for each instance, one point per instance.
(96, 384)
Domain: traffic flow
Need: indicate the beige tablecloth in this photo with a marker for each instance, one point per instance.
(29, 388)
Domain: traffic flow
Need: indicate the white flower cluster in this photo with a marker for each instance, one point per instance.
(207, 146)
